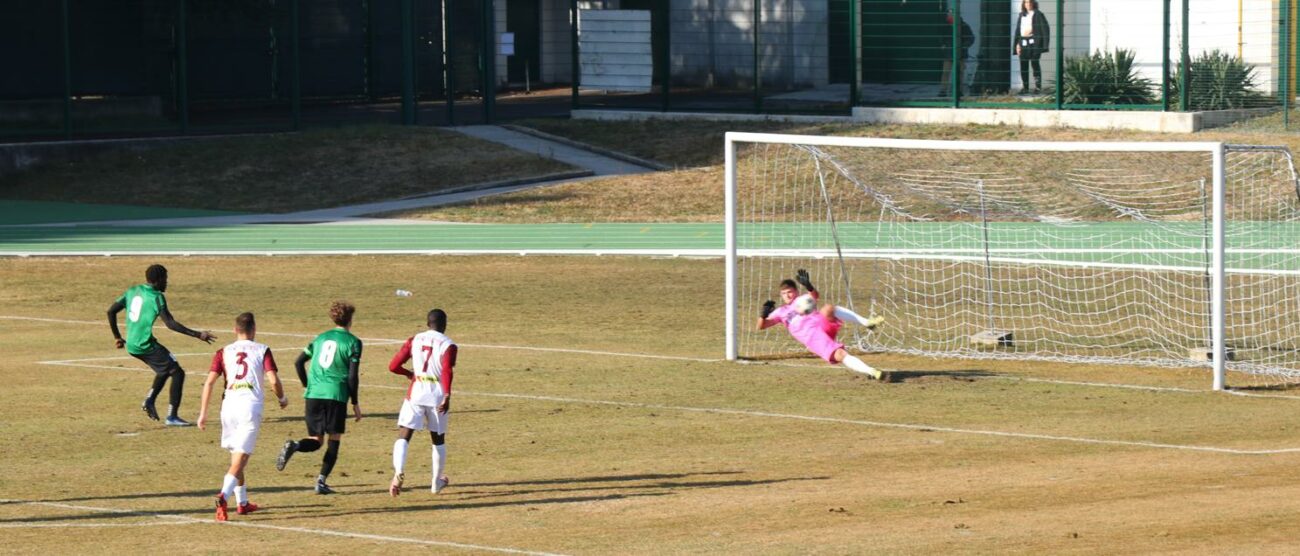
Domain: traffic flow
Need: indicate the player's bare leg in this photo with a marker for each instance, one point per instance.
(847, 315)
(399, 460)
(233, 484)
(857, 365)
(440, 480)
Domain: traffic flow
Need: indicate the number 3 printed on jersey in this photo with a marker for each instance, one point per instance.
(133, 314)
(327, 350)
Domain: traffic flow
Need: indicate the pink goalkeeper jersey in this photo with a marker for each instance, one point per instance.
(814, 330)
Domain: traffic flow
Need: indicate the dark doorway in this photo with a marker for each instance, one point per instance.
(523, 18)
(840, 45)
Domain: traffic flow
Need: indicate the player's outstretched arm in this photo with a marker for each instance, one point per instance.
(400, 358)
(113, 310)
(175, 326)
(214, 371)
(763, 321)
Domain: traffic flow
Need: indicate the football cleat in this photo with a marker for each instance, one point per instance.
(246, 508)
(221, 508)
(322, 488)
(177, 422)
(285, 453)
(395, 488)
(149, 410)
(440, 484)
(873, 322)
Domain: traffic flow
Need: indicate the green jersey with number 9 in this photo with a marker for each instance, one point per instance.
(331, 353)
(143, 306)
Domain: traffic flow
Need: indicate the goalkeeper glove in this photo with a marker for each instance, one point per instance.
(802, 277)
(768, 308)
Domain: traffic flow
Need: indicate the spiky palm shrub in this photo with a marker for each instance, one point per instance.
(1105, 78)
(1218, 81)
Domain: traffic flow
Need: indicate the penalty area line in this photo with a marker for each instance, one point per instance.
(814, 418)
(186, 520)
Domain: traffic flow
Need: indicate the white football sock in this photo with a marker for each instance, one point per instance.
(849, 316)
(857, 365)
(399, 455)
(439, 462)
(241, 495)
(228, 485)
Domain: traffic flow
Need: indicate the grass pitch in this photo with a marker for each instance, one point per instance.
(591, 415)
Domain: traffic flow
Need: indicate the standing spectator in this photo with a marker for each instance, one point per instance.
(1032, 38)
(945, 45)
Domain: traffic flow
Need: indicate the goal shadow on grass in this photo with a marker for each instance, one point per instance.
(963, 375)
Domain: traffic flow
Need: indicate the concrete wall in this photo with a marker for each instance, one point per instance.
(713, 43)
(1214, 25)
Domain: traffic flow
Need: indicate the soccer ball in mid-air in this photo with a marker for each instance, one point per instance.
(805, 304)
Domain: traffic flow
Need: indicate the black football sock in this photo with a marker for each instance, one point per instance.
(331, 456)
(159, 379)
(308, 445)
(176, 393)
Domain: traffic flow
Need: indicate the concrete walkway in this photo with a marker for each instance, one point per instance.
(600, 165)
(590, 164)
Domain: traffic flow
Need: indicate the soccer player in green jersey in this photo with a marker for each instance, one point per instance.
(144, 304)
(335, 358)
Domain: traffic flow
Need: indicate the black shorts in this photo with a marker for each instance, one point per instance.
(326, 417)
(158, 359)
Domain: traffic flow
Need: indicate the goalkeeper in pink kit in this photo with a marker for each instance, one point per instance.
(816, 329)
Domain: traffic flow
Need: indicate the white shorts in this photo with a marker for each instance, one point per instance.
(240, 423)
(422, 418)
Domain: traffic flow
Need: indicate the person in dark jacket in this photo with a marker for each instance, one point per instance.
(945, 46)
(1032, 39)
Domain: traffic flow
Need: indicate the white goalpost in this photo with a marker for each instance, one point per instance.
(1171, 254)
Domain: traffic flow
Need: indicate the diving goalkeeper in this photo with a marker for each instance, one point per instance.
(816, 328)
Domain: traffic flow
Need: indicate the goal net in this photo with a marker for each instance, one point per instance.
(1160, 254)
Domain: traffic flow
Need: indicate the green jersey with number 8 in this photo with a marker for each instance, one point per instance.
(331, 353)
(143, 306)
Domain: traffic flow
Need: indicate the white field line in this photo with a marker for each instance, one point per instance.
(813, 418)
(883, 424)
(178, 519)
(725, 411)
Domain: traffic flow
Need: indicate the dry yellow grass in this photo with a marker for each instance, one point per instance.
(281, 173)
(572, 452)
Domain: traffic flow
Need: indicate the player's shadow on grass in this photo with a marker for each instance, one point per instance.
(201, 511)
(967, 375)
(604, 479)
(465, 500)
(368, 416)
(207, 493)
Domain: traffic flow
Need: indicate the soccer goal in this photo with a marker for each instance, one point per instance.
(1170, 254)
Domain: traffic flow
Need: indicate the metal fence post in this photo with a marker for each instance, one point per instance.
(489, 62)
(573, 52)
(666, 71)
(369, 6)
(855, 57)
(408, 62)
(182, 69)
(295, 88)
(955, 55)
(67, 72)
(1184, 100)
(1286, 64)
(1060, 54)
(1164, 61)
(449, 64)
(758, 65)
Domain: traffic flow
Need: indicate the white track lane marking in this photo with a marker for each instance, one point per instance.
(177, 519)
(725, 411)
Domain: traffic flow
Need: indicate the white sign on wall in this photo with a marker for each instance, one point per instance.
(506, 46)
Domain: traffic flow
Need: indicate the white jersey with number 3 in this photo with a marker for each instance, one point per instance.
(427, 350)
(243, 363)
